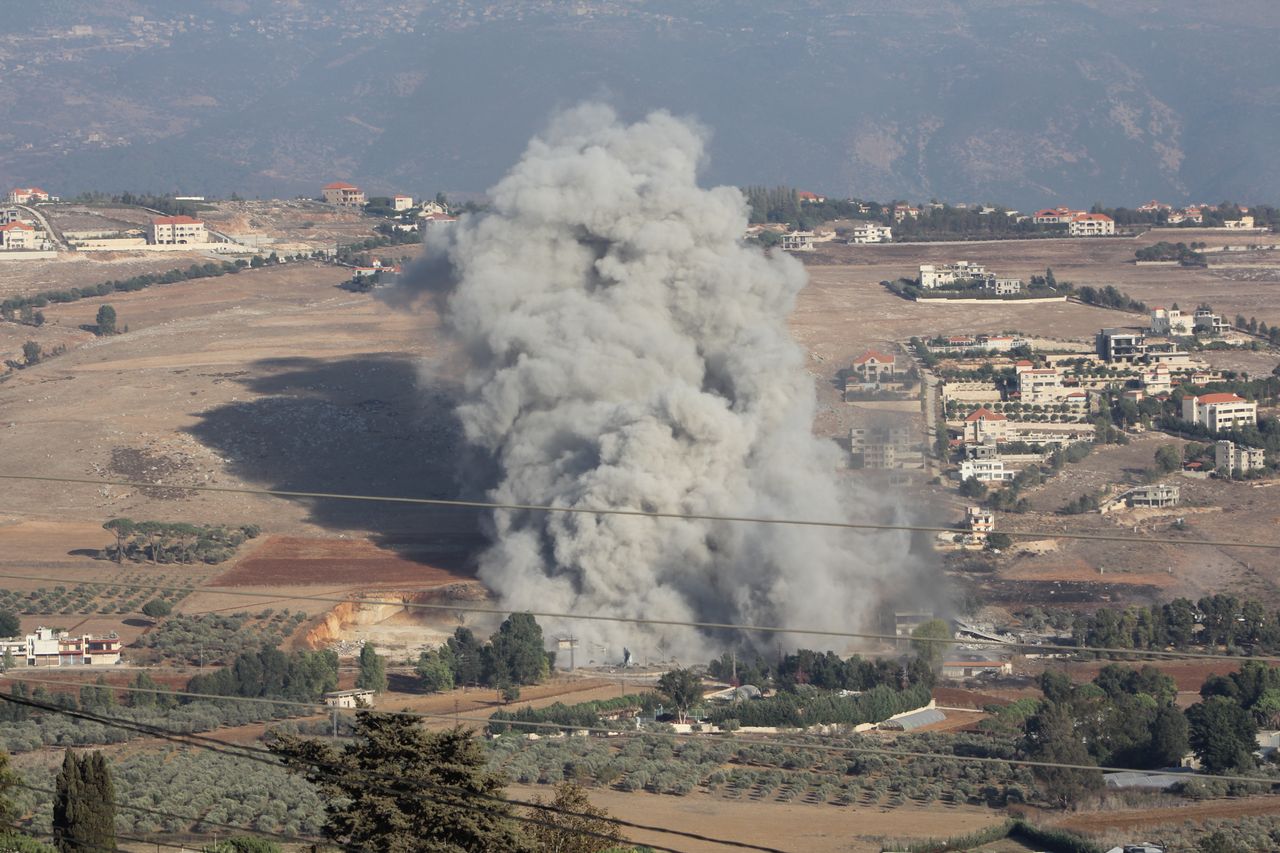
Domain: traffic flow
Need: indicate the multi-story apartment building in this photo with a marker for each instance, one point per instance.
(798, 241)
(343, 194)
(1039, 385)
(1120, 345)
(176, 231)
(870, 232)
(1233, 457)
(1091, 225)
(1220, 412)
(17, 235)
(1207, 321)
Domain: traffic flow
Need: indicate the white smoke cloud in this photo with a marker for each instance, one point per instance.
(626, 350)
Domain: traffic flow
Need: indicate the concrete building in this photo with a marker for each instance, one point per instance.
(27, 195)
(1220, 412)
(968, 664)
(885, 447)
(176, 231)
(1157, 379)
(983, 426)
(349, 699)
(437, 220)
(1055, 216)
(401, 202)
(1154, 495)
(47, 647)
(940, 275)
(1207, 321)
(1243, 223)
(980, 521)
(1231, 457)
(1171, 321)
(870, 232)
(17, 235)
(1120, 345)
(1039, 385)
(798, 241)
(343, 194)
(985, 471)
(873, 367)
(1003, 286)
(1091, 225)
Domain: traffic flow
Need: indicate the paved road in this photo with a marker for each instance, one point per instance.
(45, 224)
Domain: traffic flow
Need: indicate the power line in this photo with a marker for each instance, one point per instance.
(194, 820)
(604, 730)
(678, 623)
(80, 845)
(264, 756)
(635, 513)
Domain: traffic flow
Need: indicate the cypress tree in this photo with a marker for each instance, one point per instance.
(84, 805)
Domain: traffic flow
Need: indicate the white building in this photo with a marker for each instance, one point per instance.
(1220, 412)
(1039, 385)
(984, 425)
(1171, 321)
(939, 275)
(1156, 495)
(1244, 222)
(401, 202)
(1157, 379)
(343, 194)
(985, 470)
(1207, 321)
(980, 521)
(1091, 225)
(27, 195)
(1003, 286)
(870, 232)
(798, 241)
(873, 367)
(17, 235)
(176, 231)
(1233, 457)
(349, 699)
(47, 647)
(436, 220)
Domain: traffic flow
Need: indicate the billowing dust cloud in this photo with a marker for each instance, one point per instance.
(627, 350)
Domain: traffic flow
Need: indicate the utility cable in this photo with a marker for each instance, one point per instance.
(634, 513)
(193, 820)
(27, 831)
(265, 756)
(604, 730)
(635, 620)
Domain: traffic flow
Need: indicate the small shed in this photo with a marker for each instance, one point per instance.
(349, 699)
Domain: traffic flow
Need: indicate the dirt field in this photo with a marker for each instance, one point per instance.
(285, 560)
(800, 828)
(1100, 823)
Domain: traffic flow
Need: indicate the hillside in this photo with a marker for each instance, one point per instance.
(1022, 102)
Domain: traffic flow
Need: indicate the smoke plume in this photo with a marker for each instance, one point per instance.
(625, 349)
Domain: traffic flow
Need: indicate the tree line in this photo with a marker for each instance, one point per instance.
(10, 307)
(175, 542)
(513, 656)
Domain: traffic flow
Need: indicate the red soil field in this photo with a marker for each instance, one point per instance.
(293, 560)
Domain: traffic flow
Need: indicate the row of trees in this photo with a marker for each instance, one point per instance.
(175, 542)
(10, 307)
(514, 655)
(270, 673)
(1213, 622)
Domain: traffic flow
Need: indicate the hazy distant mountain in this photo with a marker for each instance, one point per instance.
(1020, 101)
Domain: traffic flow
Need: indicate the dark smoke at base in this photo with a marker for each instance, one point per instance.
(624, 349)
